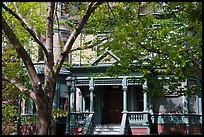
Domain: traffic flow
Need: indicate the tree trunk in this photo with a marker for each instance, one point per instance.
(42, 121)
(44, 117)
(44, 114)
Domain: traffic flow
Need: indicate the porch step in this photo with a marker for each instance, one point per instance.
(108, 129)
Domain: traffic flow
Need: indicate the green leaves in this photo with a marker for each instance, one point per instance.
(28, 119)
(33, 12)
(153, 41)
(58, 113)
(34, 15)
(9, 112)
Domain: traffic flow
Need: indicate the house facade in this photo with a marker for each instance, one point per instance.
(108, 101)
(99, 102)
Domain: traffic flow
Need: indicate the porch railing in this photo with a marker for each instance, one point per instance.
(138, 118)
(124, 127)
(79, 118)
(177, 118)
(89, 125)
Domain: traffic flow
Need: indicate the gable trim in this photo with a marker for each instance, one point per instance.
(102, 56)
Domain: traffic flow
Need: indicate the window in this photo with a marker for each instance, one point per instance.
(63, 103)
(68, 10)
(192, 85)
(40, 54)
(87, 102)
(64, 10)
(63, 100)
(193, 100)
(64, 34)
(193, 104)
(135, 98)
(28, 106)
(170, 104)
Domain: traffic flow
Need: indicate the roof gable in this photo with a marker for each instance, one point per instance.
(106, 58)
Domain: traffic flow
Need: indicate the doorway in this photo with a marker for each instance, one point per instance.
(113, 105)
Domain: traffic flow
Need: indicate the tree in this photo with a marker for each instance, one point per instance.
(18, 27)
(157, 39)
(10, 65)
(152, 44)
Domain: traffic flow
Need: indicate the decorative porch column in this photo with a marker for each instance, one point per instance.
(73, 92)
(24, 106)
(145, 97)
(83, 109)
(186, 98)
(73, 102)
(146, 116)
(199, 100)
(80, 101)
(91, 89)
(200, 103)
(124, 84)
(57, 96)
(186, 106)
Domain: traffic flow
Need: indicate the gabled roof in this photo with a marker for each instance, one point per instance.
(103, 56)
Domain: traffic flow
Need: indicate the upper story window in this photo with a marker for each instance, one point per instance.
(68, 9)
(63, 34)
(40, 54)
(64, 10)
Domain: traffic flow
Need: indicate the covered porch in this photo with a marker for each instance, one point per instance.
(107, 100)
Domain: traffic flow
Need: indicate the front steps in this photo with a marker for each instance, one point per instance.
(108, 129)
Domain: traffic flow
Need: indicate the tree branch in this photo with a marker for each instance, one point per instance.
(6, 125)
(28, 28)
(4, 90)
(22, 53)
(82, 48)
(169, 11)
(49, 32)
(111, 10)
(41, 37)
(152, 50)
(74, 35)
(88, 46)
(17, 84)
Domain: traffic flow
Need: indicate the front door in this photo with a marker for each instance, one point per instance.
(112, 105)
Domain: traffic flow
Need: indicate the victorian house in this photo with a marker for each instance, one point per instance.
(101, 104)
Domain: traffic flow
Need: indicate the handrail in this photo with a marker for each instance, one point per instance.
(88, 125)
(79, 117)
(123, 124)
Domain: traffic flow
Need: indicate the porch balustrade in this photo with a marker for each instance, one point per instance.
(177, 118)
(138, 118)
(85, 119)
(79, 118)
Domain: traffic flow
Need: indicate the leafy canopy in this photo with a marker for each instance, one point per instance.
(152, 38)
